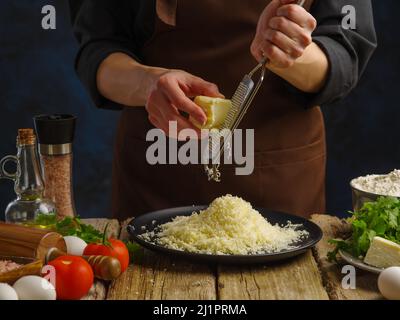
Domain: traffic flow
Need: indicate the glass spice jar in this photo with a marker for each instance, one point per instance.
(56, 135)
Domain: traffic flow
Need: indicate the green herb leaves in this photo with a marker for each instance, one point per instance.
(380, 218)
(74, 227)
(70, 226)
(135, 251)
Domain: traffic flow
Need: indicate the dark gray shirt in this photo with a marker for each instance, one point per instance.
(106, 26)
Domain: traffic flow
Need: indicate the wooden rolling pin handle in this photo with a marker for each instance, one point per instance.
(105, 268)
(17, 240)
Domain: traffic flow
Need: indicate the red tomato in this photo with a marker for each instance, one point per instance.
(74, 277)
(116, 249)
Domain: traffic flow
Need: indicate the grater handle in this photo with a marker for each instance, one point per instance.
(253, 93)
(262, 64)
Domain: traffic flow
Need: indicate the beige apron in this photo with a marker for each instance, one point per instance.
(211, 39)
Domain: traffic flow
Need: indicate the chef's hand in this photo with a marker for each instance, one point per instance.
(171, 93)
(283, 33)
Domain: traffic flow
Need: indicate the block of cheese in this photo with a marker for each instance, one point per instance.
(216, 110)
(383, 253)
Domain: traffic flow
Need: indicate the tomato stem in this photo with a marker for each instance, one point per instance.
(105, 233)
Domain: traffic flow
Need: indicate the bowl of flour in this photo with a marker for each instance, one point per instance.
(369, 188)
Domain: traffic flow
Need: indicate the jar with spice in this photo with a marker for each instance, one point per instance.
(56, 134)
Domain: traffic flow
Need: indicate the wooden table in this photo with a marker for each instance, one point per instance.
(307, 277)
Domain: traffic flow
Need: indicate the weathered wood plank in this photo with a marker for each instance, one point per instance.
(159, 277)
(294, 279)
(99, 288)
(366, 283)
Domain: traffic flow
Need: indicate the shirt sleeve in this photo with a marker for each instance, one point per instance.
(103, 27)
(348, 51)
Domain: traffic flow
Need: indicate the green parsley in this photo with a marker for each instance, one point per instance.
(71, 226)
(380, 218)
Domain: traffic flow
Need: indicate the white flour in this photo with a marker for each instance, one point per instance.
(386, 185)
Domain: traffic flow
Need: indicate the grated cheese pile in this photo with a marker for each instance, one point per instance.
(228, 226)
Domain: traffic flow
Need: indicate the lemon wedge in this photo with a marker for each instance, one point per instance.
(216, 110)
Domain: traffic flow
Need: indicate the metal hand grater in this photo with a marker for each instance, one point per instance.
(241, 101)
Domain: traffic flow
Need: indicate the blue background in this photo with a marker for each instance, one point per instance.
(37, 76)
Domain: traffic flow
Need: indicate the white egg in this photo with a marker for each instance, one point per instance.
(7, 292)
(75, 245)
(389, 283)
(34, 288)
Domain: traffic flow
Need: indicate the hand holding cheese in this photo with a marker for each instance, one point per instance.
(216, 110)
(171, 93)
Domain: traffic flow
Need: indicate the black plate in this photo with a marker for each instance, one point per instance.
(153, 219)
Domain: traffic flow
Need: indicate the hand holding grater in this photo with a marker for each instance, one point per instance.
(241, 101)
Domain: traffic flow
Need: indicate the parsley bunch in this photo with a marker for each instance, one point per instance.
(380, 218)
(74, 227)
(71, 226)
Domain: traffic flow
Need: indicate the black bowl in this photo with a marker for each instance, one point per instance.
(150, 221)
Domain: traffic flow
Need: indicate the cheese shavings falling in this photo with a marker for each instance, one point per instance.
(228, 226)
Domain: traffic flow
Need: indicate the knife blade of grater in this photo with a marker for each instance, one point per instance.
(238, 100)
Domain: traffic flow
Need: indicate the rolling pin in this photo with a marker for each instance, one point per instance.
(17, 240)
(104, 267)
(45, 245)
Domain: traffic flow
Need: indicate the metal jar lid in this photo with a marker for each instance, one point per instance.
(55, 149)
